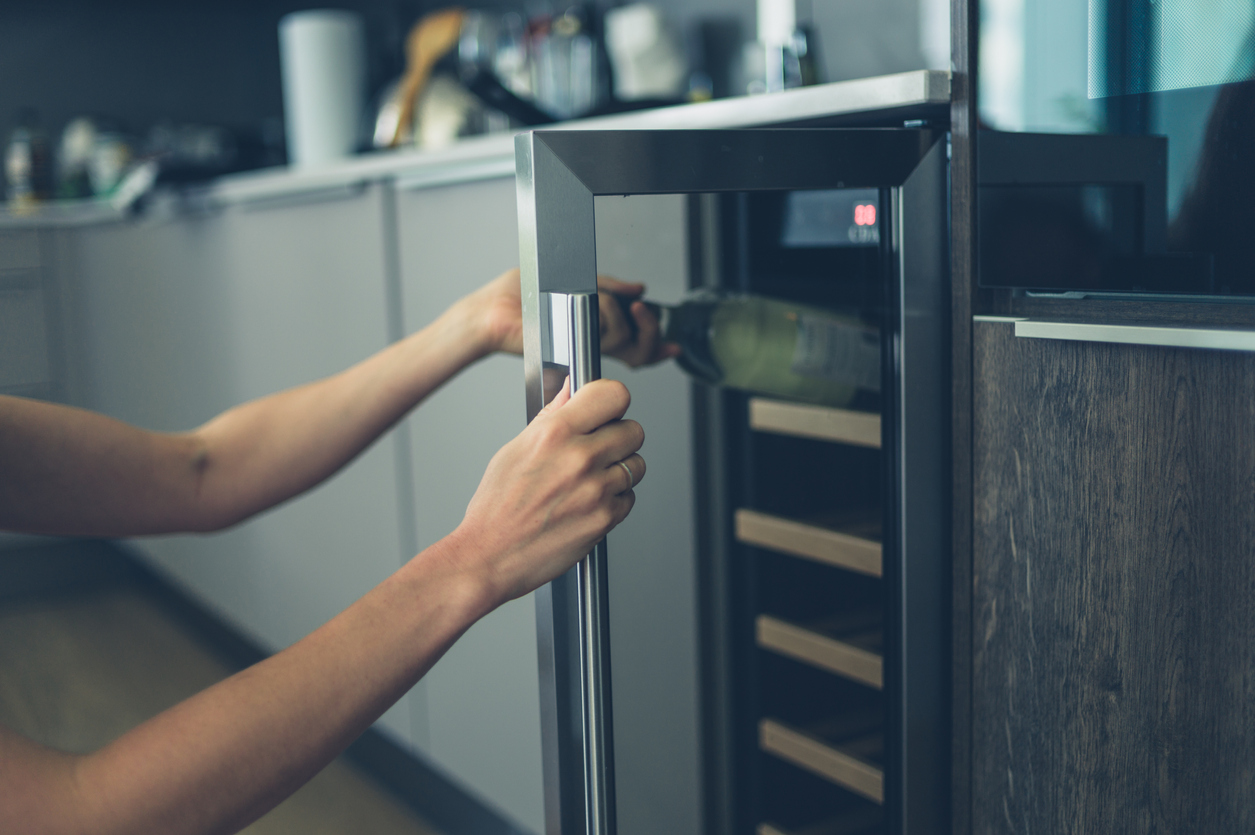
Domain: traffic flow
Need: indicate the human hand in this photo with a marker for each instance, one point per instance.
(552, 493)
(635, 343)
(497, 311)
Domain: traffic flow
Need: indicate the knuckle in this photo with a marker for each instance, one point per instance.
(575, 464)
(638, 432)
(618, 394)
(552, 432)
(589, 497)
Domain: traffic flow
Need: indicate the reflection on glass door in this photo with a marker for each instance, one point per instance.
(1180, 69)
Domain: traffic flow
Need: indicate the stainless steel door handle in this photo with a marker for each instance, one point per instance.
(593, 603)
(1168, 337)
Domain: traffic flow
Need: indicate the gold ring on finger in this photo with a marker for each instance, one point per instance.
(631, 478)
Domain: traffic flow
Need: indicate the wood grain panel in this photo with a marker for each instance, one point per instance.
(1113, 589)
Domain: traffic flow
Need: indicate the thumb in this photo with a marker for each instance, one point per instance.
(559, 400)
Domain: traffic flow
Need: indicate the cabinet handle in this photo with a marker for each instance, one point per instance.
(1168, 337)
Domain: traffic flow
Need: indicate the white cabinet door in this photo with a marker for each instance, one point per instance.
(477, 713)
(25, 365)
(177, 321)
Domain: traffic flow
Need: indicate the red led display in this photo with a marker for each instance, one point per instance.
(865, 215)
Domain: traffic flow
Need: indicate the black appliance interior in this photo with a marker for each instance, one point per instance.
(806, 638)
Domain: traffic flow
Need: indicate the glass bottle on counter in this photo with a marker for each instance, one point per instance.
(27, 162)
(773, 347)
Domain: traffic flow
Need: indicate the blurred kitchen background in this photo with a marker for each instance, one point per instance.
(199, 84)
(138, 281)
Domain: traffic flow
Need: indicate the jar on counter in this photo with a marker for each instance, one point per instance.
(28, 162)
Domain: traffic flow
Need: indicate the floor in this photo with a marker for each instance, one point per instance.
(78, 669)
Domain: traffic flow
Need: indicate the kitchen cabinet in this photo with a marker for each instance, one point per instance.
(27, 315)
(1113, 606)
(175, 321)
(477, 712)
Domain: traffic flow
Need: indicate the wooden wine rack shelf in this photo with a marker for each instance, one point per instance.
(820, 422)
(841, 764)
(819, 650)
(861, 822)
(813, 542)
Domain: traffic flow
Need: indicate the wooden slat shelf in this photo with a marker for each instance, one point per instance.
(861, 822)
(847, 764)
(832, 547)
(856, 656)
(821, 422)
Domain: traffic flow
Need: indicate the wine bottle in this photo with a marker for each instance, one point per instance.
(774, 347)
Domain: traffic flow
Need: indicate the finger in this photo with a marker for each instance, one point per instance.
(610, 284)
(622, 476)
(653, 348)
(648, 337)
(615, 332)
(620, 507)
(559, 400)
(595, 404)
(616, 441)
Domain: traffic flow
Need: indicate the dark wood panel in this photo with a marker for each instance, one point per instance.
(1114, 588)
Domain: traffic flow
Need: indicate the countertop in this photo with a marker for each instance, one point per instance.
(490, 156)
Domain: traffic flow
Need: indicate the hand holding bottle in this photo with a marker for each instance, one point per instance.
(630, 331)
(496, 313)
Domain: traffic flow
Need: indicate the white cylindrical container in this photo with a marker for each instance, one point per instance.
(323, 57)
(777, 20)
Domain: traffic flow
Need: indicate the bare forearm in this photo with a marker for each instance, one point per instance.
(269, 450)
(223, 758)
(67, 471)
(220, 759)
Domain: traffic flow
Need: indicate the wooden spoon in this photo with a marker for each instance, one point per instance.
(429, 41)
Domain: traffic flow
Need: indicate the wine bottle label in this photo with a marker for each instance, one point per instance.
(836, 351)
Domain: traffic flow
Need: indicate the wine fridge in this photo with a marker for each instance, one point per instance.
(824, 510)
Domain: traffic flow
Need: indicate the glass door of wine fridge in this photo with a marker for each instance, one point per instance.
(824, 509)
